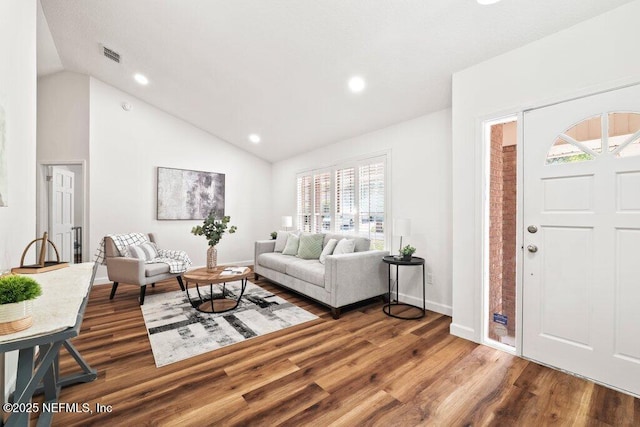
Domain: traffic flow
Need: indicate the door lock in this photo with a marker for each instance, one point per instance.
(532, 248)
(532, 229)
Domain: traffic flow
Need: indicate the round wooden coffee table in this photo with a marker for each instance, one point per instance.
(219, 275)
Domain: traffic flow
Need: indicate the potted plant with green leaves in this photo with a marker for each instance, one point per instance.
(16, 302)
(407, 252)
(212, 229)
(274, 235)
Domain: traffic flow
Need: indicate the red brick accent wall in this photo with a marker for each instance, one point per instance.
(495, 227)
(509, 235)
(502, 232)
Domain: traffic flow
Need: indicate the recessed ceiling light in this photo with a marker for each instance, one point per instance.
(486, 2)
(142, 79)
(357, 84)
(255, 138)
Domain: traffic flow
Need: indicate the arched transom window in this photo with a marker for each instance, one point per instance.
(616, 134)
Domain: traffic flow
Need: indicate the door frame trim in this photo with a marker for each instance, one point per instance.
(42, 215)
(582, 95)
(485, 130)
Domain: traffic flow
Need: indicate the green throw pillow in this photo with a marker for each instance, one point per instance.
(291, 248)
(310, 246)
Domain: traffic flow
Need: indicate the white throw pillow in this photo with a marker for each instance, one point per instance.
(291, 248)
(345, 246)
(328, 250)
(281, 240)
(145, 251)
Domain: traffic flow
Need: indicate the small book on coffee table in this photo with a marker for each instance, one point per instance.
(232, 271)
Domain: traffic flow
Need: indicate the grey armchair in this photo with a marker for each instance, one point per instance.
(134, 271)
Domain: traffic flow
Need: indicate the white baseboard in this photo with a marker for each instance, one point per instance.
(103, 280)
(454, 329)
(431, 305)
(463, 332)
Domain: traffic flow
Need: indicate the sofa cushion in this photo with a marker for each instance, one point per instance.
(362, 243)
(344, 246)
(308, 270)
(276, 261)
(293, 241)
(328, 250)
(310, 246)
(155, 268)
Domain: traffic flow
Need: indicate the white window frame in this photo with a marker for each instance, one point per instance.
(356, 164)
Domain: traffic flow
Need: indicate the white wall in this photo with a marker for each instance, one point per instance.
(18, 98)
(63, 137)
(595, 55)
(63, 117)
(126, 149)
(420, 190)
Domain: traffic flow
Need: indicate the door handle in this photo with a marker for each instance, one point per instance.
(532, 229)
(532, 248)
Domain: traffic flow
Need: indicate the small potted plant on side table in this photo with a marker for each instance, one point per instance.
(274, 235)
(16, 302)
(407, 252)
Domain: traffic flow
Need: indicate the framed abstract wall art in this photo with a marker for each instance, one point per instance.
(188, 194)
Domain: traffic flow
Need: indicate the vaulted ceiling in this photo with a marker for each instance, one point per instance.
(279, 68)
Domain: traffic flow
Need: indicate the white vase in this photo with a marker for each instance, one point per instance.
(15, 317)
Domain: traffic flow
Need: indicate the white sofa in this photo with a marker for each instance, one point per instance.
(343, 280)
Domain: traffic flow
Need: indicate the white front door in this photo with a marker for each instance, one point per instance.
(581, 268)
(61, 205)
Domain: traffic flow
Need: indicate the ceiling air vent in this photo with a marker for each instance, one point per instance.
(111, 54)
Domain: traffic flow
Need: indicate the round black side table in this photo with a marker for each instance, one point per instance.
(392, 260)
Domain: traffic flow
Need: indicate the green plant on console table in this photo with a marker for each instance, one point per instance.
(213, 229)
(407, 251)
(14, 288)
(274, 235)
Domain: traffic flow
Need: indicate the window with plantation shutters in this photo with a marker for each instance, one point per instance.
(347, 199)
(322, 202)
(371, 206)
(305, 206)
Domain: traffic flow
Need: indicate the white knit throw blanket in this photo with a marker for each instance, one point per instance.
(178, 261)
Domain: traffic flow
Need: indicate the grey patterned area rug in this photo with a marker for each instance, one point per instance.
(177, 331)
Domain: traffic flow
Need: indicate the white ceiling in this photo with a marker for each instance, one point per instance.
(279, 68)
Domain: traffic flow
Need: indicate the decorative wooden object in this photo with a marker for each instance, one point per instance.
(42, 265)
(15, 317)
(7, 328)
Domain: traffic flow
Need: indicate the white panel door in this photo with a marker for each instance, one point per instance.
(581, 269)
(61, 220)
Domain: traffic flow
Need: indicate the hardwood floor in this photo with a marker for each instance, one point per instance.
(363, 369)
